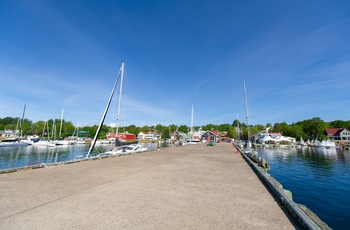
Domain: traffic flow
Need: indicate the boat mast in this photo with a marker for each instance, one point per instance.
(61, 122)
(238, 128)
(192, 124)
(119, 101)
(21, 124)
(42, 136)
(246, 109)
(105, 112)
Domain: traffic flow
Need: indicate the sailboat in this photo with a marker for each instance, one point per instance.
(60, 140)
(117, 150)
(45, 142)
(123, 138)
(248, 145)
(17, 140)
(192, 140)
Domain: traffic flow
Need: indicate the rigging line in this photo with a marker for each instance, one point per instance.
(125, 98)
(106, 110)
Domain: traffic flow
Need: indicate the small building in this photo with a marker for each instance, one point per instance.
(141, 135)
(338, 135)
(267, 140)
(211, 136)
(126, 136)
(281, 140)
(8, 133)
(122, 136)
(152, 135)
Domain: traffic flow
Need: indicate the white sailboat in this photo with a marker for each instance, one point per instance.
(248, 145)
(17, 140)
(60, 140)
(116, 150)
(45, 142)
(192, 140)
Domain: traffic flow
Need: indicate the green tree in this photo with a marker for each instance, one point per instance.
(159, 128)
(298, 132)
(224, 127)
(145, 129)
(283, 128)
(173, 128)
(210, 127)
(338, 124)
(314, 128)
(236, 123)
(166, 133)
(183, 128)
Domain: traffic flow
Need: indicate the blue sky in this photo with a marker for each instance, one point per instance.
(293, 55)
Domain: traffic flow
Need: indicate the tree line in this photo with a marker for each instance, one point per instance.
(307, 129)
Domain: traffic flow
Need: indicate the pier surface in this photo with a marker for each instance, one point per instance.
(193, 187)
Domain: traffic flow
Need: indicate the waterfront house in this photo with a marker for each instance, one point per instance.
(152, 135)
(267, 140)
(8, 133)
(338, 135)
(141, 135)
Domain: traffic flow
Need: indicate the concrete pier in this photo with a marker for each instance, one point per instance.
(192, 187)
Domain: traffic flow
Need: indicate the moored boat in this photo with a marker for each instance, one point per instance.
(12, 142)
(124, 150)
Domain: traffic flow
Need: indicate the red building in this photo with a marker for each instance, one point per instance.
(123, 136)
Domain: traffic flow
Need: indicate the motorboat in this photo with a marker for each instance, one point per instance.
(125, 150)
(12, 142)
(45, 143)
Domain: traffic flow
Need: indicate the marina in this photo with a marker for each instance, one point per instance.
(103, 147)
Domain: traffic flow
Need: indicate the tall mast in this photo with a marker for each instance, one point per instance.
(120, 98)
(105, 112)
(238, 129)
(246, 109)
(61, 123)
(192, 123)
(21, 124)
(42, 136)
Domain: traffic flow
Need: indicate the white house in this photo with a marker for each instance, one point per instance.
(9, 133)
(141, 136)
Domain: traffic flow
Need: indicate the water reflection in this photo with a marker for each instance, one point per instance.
(14, 157)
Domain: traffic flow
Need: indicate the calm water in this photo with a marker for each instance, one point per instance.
(30, 155)
(317, 178)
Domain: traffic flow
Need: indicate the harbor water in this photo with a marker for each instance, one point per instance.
(16, 157)
(318, 178)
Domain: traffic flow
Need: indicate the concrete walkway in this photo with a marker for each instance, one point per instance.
(193, 187)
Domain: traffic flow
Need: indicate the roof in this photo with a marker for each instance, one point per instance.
(282, 138)
(333, 131)
(213, 132)
(216, 132)
(268, 138)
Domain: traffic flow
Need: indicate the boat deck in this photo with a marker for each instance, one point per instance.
(192, 187)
